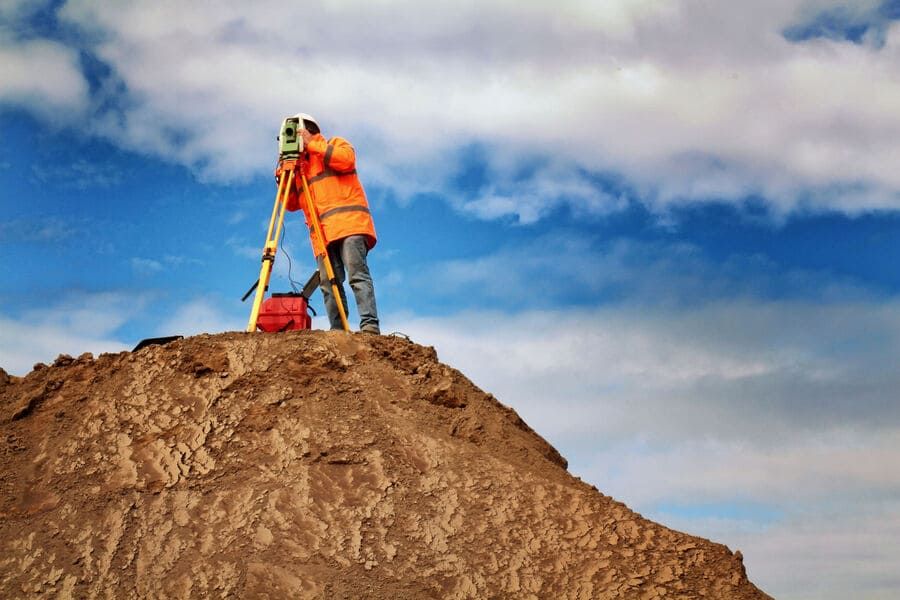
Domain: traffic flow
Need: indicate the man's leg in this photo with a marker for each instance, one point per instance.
(334, 316)
(353, 255)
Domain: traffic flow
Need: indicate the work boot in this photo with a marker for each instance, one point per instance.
(370, 329)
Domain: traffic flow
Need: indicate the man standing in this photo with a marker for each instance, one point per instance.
(347, 226)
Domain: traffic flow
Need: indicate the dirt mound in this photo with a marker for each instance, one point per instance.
(314, 465)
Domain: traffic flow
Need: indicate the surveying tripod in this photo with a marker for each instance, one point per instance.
(290, 166)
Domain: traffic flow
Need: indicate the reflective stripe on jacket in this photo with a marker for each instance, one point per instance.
(340, 198)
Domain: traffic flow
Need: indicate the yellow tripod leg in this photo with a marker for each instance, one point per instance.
(329, 269)
(271, 247)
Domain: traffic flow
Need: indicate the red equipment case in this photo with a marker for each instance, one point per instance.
(284, 312)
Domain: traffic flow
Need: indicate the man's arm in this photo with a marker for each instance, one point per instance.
(339, 154)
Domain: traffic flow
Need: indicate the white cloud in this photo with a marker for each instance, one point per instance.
(569, 267)
(818, 555)
(536, 193)
(44, 76)
(784, 407)
(244, 250)
(833, 467)
(151, 266)
(146, 266)
(236, 217)
(41, 75)
(742, 370)
(79, 174)
(179, 261)
(24, 343)
(687, 100)
(80, 322)
(49, 229)
(200, 315)
(14, 11)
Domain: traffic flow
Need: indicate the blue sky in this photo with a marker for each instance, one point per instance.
(664, 232)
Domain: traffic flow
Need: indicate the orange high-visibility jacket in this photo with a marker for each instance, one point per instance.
(339, 196)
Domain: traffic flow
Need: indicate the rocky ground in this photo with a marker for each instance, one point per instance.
(309, 465)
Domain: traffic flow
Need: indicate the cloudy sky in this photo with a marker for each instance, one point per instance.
(663, 231)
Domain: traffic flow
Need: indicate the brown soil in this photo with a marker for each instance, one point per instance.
(309, 465)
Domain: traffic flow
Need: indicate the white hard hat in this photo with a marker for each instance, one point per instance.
(305, 117)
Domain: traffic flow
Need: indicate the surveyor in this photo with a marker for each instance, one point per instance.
(347, 226)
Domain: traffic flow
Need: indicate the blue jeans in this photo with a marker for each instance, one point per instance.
(348, 256)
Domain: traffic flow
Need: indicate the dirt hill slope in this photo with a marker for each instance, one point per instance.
(314, 465)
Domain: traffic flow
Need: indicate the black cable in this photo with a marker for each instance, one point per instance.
(294, 284)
